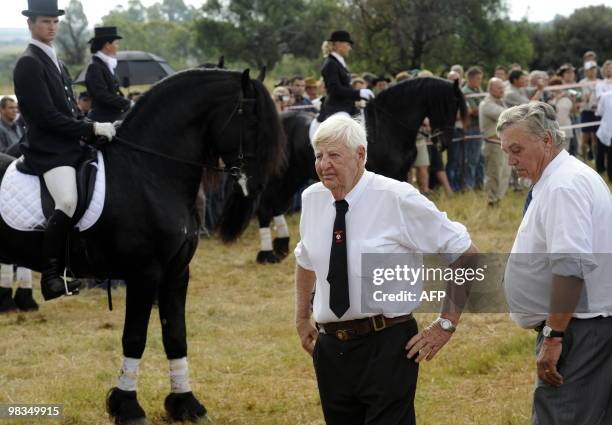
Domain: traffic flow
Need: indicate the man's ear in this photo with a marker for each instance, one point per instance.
(361, 152)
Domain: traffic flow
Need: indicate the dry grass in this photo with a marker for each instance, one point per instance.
(246, 363)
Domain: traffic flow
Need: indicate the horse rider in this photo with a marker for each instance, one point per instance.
(107, 101)
(52, 146)
(341, 97)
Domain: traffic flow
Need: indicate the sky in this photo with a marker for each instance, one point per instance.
(535, 11)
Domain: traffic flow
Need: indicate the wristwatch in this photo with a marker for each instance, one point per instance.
(446, 325)
(549, 332)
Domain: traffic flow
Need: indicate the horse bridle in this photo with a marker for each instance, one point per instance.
(236, 171)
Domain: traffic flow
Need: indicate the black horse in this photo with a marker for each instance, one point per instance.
(392, 121)
(148, 231)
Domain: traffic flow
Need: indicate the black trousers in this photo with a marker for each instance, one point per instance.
(367, 381)
(603, 161)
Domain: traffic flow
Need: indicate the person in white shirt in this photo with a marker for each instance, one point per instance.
(363, 354)
(558, 279)
(603, 160)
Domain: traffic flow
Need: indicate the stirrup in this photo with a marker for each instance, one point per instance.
(65, 278)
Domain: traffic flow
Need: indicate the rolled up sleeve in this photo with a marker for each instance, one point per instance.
(569, 232)
(301, 253)
(429, 230)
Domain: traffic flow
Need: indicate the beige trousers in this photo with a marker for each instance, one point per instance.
(497, 171)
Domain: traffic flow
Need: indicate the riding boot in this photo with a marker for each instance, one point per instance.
(51, 281)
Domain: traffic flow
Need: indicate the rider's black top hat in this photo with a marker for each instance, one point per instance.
(105, 34)
(42, 8)
(341, 36)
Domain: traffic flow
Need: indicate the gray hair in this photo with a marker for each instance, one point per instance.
(538, 117)
(343, 129)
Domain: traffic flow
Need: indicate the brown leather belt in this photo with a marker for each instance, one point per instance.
(361, 327)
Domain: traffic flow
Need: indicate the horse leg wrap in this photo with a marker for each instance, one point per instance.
(282, 231)
(24, 277)
(179, 376)
(128, 378)
(6, 276)
(265, 237)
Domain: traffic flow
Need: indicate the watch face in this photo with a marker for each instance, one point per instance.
(546, 331)
(445, 324)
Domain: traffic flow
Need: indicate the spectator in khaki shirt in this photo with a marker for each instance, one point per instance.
(497, 169)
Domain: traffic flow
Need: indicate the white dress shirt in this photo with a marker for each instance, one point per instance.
(569, 222)
(604, 110)
(384, 216)
(49, 51)
(340, 59)
(109, 61)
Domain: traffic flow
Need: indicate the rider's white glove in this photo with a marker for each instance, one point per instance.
(105, 129)
(366, 94)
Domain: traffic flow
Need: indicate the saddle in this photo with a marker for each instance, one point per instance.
(86, 172)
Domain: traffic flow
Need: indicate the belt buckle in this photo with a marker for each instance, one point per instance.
(342, 335)
(378, 322)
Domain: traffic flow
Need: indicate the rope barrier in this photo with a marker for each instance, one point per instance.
(547, 88)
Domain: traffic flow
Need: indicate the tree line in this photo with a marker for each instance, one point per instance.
(390, 35)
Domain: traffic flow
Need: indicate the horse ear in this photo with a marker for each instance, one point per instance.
(246, 79)
(262, 75)
(221, 62)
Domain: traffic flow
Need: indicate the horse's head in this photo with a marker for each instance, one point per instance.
(247, 136)
(248, 139)
(442, 115)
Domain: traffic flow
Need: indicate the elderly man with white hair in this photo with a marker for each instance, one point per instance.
(558, 278)
(364, 359)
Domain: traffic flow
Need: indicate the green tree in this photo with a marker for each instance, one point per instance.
(565, 39)
(261, 32)
(396, 35)
(174, 41)
(73, 34)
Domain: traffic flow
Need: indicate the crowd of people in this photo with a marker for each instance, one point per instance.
(474, 159)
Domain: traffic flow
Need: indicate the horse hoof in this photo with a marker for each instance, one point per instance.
(7, 304)
(281, 247)
(24, 300)
(123, 407)
(267, 257)
(185, 407)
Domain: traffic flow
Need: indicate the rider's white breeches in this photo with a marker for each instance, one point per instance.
(61, 182)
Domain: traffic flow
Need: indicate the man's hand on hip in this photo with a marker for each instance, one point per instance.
(308, 334)
(548, 357)
(428, 342)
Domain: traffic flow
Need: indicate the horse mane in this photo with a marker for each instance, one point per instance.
(271, 143)
(175, 86)
(220, 85)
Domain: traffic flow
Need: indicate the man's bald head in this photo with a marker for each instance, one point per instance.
(496, 87)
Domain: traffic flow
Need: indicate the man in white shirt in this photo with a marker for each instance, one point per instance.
(603, 161)
(363, 356)
(558, 278)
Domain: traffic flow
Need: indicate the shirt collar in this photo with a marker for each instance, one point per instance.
(340, 58)
(110, 61)
(353, 196)
(49, 51)
(549, 170)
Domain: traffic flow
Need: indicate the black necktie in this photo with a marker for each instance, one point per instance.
(338, 273)
(527, 201)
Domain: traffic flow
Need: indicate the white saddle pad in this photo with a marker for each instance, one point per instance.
(21, 206)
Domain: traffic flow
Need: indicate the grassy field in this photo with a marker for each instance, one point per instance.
(246, 363)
